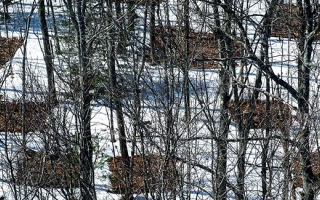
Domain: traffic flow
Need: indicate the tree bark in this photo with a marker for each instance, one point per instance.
(224, 86)
(87, 188)
(152, 31)
(305, 50)
(48, 57)
(116, 98)
(55, 29)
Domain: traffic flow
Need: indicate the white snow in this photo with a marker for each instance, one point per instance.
(283, 54)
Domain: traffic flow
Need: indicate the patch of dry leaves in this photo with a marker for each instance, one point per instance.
(203, 48)
(279, 116)
(8, 48)
(11, 117)
(36, 168)
(286, 23)
(150, 174)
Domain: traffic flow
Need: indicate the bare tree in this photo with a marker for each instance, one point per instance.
(306, 36)
(48, 57)
(77, 14)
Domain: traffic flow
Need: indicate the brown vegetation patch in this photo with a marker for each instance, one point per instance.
(140, 176)
(297, 170)
(203, 47)
(41, 170)
(279, 116)
(286, 23)
(11, 117)
(8, 47)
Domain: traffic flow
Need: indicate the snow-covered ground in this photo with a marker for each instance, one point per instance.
(282, 54)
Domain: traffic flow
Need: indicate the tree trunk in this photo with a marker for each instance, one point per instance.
(116, 98)
(121, 48)
(265, 57)
(152, 31)
(187, 62)
(224, 86)
(87, 188)
(265, 148)
(48, 58)
(305, 50)
(186, 89)
(55, 29)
